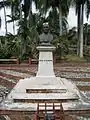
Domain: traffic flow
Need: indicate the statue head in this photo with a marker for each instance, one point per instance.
(46, 38)
(45, 28)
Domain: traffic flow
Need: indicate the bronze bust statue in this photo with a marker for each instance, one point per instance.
(46, 37)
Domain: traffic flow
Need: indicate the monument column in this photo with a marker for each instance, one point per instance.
(45, 66)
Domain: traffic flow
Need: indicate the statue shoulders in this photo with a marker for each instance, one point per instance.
(46, 38)
(41, 35)
(50, 35)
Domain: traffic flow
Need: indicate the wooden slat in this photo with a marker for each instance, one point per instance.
(10, 60)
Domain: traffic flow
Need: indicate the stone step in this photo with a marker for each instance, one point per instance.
(46, 90)
(42, 100)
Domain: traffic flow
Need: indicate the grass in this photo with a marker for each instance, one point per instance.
(74, 58)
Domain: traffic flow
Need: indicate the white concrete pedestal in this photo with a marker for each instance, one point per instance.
(45, 66)
(45, 85)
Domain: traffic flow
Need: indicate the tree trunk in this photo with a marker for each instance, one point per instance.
(78, 28)
(21, 41)
(86, 34)
(60, 21)
(86, 40)
(5, 18)
(12, 14)
(81, 31)
(13, 28)
(20, 8)
(29, 16)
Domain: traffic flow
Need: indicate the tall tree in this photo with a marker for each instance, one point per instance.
(85, 34)
(4, 4)
(53, 20)
(5, 17)
(80, 4)
(26, 8)
(61, 5)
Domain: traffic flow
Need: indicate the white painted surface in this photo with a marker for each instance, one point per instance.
(69, 89)
(45, 67)
(33, 106)
(45, 96)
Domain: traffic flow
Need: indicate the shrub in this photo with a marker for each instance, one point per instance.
(61, 44)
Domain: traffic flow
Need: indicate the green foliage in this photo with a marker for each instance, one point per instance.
(3, 52)
(61, 44)
(4, 3)
(24, 44)
(44, 5)
(13, 45)
(53, 20)
(2, 118)
(72, 36)
(74, 58)
(9, 46)
(29, 37)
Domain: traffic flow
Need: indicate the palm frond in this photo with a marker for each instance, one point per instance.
(87, 10)
(4, 3)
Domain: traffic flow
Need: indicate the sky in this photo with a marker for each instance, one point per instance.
(72, 20)
(9, 25)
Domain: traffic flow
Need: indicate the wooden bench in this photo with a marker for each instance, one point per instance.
(33, 61)
(17, 61)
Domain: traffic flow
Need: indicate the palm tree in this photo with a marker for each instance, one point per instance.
(12, 15)
(53, 20)
(85, 28)
(12, 19)
(5, 17)
(61, 5)
(4, 4)
(16, 14)
(80, 14)
(72, 36)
